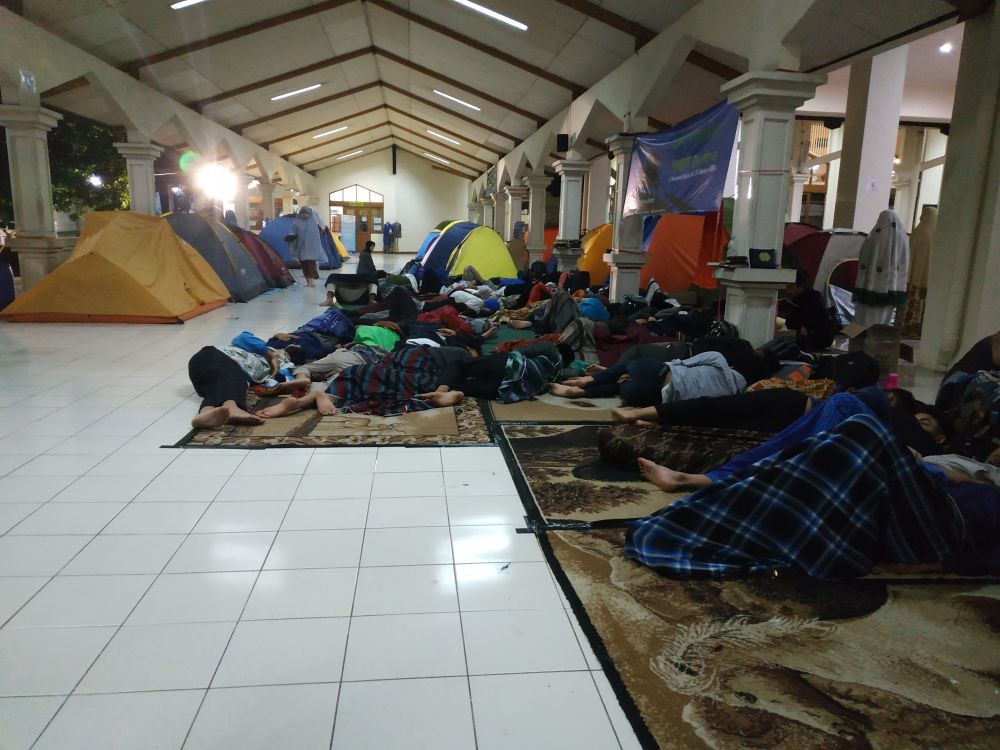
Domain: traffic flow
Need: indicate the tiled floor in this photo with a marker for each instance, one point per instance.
(160, 598)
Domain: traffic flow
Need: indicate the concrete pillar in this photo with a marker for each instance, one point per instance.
(515, 197)
(38, 248)
(767, 102)
(907, 176)
(286, 203)
(473, 211)
(567, 248)
(241, 202)
(500, 222)
(626, 257)
(598, 192)
(798, 184)
(832, 177)
(489, 211)
(266, 190)
(874, 96)
(537, 185)
(965, 269)
(139, 158)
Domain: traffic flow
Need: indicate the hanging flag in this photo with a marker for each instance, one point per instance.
(682, 169)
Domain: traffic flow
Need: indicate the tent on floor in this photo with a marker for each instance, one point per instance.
(595, 243)
(439, 252)
(277, 229)
(223, 251)
(680, 247)
(127, 267)
(271, 266)
(443, 224)
(797, 229)
(830, 258)
(484, 250)
(431, 236)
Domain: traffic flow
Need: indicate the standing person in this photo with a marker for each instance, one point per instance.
(306, 245)
(883, 267)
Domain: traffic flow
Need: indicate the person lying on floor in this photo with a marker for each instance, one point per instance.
(833, 506)
(221, 375)
(318, 336)
(646, 381)
(309, 375)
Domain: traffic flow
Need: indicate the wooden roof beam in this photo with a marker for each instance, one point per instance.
(439, 167)
(422, 121)
(446, 157)
(458, 115)
(442, 145)
(642, 34)
(349, 150)
(308, 105)
(335, 140)
(268, 144)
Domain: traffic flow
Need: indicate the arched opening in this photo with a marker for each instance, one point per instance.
(356, 215)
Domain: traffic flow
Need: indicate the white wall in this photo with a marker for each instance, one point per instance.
(417, 196)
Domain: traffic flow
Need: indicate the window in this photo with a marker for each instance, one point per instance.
(356, 194)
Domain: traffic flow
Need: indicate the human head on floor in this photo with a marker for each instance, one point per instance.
(936, 422)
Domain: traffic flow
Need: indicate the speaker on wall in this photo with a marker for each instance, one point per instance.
(562, 143)
(394, 158)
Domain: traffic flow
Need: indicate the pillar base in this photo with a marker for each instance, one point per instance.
(535, 252)
(39, 255)
(752, 299)
(568, 253)
(626, 268)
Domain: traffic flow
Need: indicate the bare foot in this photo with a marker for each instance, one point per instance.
(324, 404)
(566, 391)
(669, 480)
(439, 399)
(581, 382)
(240, 417)
(625, 414)
(490, 332)
(210, 417)
(520, 324)
(283, 408)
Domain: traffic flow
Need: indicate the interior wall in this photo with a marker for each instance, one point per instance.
(417, 196)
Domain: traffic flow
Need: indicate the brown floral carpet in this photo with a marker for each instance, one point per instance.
(550, 409)
(463, 424)
(785, 663)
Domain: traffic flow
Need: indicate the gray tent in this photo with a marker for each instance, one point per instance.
(224, 253)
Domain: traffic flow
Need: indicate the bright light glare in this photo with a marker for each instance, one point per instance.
(185, 4)
(946, 47)
(444, 137)
(296, 92)
(436, 158)
(253, 183)
(216, 182)
(353, 153)
(331, 132)
(95, 181)
(459, 101)
(493, 14)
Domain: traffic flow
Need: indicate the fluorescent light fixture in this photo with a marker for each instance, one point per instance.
(331, 132)
(444, 137)
(946, 47)
(185, 4)
(353, 153)
(436, 158)
(459, 101)
(493, 14)
(297, 91)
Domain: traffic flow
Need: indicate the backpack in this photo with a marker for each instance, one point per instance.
(558, 313)
(722, 329)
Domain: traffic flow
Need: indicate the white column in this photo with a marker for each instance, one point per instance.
(537, 186)
(767, 102)
(489, 211)
(266, 190)
(799, 180)
(241, 201)
(567, 248)
(964, 277)
(473, 211)
(286, 202)
(38, 248)
(139, 159)
(752, 299)
(500, 222)
(598, 192)
(626, 257)
(515, 197)
(874, 96)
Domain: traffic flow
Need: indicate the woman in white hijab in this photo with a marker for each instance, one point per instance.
(883, 266)
(305, 244)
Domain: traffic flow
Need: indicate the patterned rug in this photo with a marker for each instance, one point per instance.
(463, 424)
(782, 663)
(553, 409)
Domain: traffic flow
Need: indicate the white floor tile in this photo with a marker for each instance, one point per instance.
(278, 487)
(310, 515)
(429, 545)
(242, 516)
(210, 553)
(540, 711)
(488, 510)
(334, 487)
(102, 490)
(151, 721)
(265, 718)
(389, 512)
(315, 549)
(68, 518)
(475, 544)
(473, 459)
(76, 601)
(429, 714)
(133, 465)
(284, 652)
(159, 657)
(402, 646)
(620, 723)
(47, 661)
(302, 593)
(31, 489)
(9, 462)
(14, 592)
(18, 443)
(405, 590)
(38, 555)
(408, 460)
(181, 489)
(56, 466)
(203, 464)
(341, 463)
(408, 484)
(23, 719)
(124, 555)
(157, 518)
(12, 514)
(485, 586)
(93, 445)
(269, 463)
(525, 641)
(194, 597)
(496, 482)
